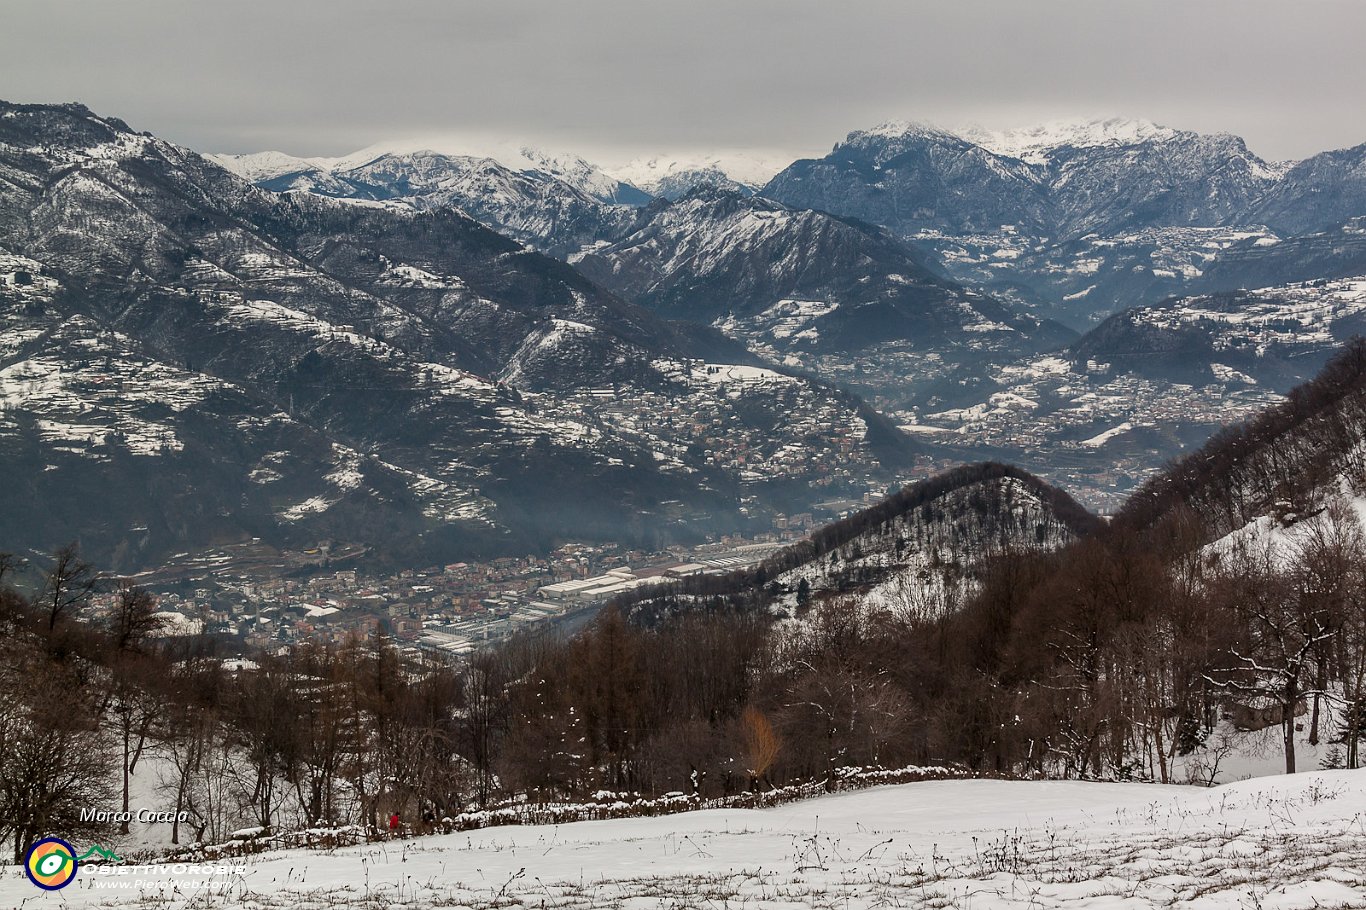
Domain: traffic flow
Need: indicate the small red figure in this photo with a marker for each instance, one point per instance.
(393, 824)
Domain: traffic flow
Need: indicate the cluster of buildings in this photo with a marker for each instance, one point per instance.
(452, 609)
(271, 600)
(820, 441)
(577, 597)
(1095, 431)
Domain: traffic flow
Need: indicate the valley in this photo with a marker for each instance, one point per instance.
(956, 314)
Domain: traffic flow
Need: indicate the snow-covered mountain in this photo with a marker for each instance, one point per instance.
(1077, 218)
(1276, 336)
(1080, 218)
(1318, 193)
(786, 280)
(575, 171)
(1264, 260)
(260, 167)
(551, 202)
(539, 210)
(1036, 144)
(565, 167)
(672, 177)
(189, 359)
(1080, 282)
(1063, 180)
(281, 173)
(1171, 178)
(913, 177)
(1147, 383)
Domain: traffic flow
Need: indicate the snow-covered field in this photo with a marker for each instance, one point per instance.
(1272, 842)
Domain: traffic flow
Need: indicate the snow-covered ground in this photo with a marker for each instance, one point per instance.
(1274, 842)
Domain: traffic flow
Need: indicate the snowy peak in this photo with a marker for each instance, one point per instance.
(671, 177)
(258, 167)
(527, 160)
(1035, 142)
(584, 176)
(1029, 143)
(550, 201)
(894, 138)
(899, 129)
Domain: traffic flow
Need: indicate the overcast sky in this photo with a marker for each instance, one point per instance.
(615, 79)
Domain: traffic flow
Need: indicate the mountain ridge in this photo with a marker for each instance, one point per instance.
(788, 278)
(436, 378)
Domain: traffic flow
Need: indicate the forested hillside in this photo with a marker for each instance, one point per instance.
(1229, 596)
(925, 544)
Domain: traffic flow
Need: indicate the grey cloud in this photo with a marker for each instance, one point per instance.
(619, 78)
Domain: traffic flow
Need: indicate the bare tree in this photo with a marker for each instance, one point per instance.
(324, 739)
(484, 715)
(1280, 630)
(69, 586)
(1330, 579)
(54, 761)
(263, 711)
(132, 699)
(133, 619)
(190, 733)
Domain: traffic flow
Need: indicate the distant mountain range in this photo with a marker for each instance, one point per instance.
(1075, 219)
(406, 349)
(674, 177)
(571, 170)
(188, 359)
(1108, 177)
(1079, 218)
(780, 280)
(554, 204)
